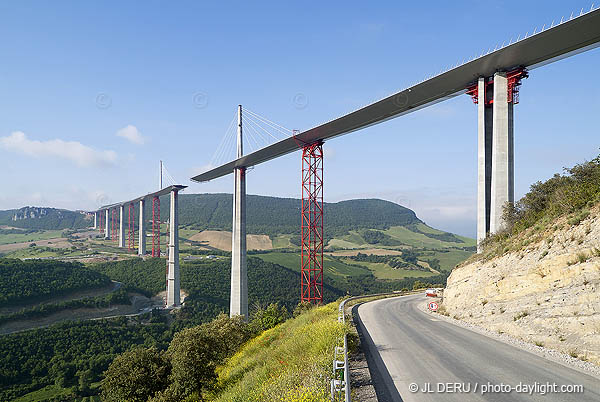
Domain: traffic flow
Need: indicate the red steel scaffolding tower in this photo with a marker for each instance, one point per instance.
(100, 227)
(311, 276)
(131, 227)
(155, 227)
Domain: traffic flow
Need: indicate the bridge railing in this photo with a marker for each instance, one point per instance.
(340, 384)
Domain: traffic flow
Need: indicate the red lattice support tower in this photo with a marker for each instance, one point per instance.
(100, 227)
(155, 227)
(311, 277)
(131, 227)
(113, 227)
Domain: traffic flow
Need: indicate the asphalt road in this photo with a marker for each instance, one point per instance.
(406, 346)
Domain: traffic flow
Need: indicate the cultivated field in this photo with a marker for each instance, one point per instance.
(222, 240)
(373, 251)
(54, 242)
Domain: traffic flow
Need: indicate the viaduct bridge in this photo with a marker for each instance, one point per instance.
(492, 80)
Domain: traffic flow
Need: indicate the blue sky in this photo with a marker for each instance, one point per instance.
(93, 94)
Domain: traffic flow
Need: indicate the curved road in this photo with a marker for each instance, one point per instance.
(406, 345)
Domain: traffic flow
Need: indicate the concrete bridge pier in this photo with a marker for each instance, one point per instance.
(96, 220)
(173, 282)
(121, 226)
(495, 98)
(484, 156)
(503, 153)
(239, 270)
(107, 224)
(142, 230)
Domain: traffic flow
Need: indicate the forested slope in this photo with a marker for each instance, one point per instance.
(213, 211)
(69, 354)
(33, 280)
(271, 215)
(207, 283)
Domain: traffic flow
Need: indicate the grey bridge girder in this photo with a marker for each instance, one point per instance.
(566, 39)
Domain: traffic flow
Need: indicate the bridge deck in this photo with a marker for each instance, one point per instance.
(571, 37)
(158, 193)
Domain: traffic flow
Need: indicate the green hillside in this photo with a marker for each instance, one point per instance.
(271, 215)
(348, 224)
(34, 280)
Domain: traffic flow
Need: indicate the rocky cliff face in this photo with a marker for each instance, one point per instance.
(45, 218)
(30, 213)
(547, 293)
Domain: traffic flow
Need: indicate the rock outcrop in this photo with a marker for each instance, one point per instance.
(547, 293)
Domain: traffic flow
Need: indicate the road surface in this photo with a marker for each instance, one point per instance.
(407, 346)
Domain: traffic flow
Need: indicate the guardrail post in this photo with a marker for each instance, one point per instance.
(337, 385)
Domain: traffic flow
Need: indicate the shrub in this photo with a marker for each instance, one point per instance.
(135, 376)
(267, 318)
(442, 310)
(302, 307)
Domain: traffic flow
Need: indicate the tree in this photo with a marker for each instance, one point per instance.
(86, 377)
(135, 376)
(229, 334)
(194, 354)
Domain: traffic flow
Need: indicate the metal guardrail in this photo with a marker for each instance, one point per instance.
(341, 372)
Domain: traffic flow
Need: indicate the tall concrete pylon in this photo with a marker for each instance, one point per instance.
(484, 158)
(96, 220)
(173, 281)
(142, 230)
(503, 153)
(121, 226)
(239, 270)
(495, 150)
(107, 224)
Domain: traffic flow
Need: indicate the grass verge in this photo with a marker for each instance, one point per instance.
(288, 363)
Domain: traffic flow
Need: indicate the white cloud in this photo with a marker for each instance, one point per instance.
(74, 151)
(132, 134)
